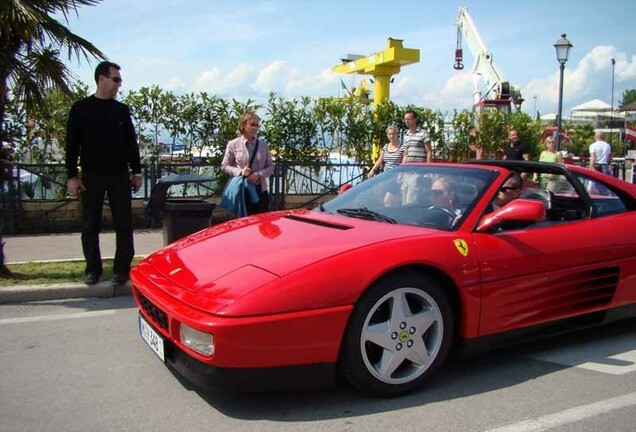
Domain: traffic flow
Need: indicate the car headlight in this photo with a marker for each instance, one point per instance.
(197, 340)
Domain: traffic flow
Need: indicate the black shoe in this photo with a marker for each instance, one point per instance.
(91, 279)
(120, 279)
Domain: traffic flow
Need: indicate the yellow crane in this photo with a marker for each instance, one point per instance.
(381, 65)
(359, 94)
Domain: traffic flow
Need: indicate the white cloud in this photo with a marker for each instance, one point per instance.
(586, 79)
(174, 83)
(455, 93)
(590, 78)
(458, 91)
(625, 71)
(323, 83)
(274, 78)
(593, 74)
(545, 90)
(216, 82)
(246, 81)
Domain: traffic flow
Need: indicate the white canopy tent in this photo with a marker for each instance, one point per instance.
(593, 110)
(593, 106)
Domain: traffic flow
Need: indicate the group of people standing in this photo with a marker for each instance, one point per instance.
(416, 146)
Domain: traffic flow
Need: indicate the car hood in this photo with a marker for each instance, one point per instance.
(230, 260)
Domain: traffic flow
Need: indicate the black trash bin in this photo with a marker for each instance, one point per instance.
(179, 217)
(185, 217)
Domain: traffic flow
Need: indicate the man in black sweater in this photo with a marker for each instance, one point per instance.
(101, 133)
(515, 149)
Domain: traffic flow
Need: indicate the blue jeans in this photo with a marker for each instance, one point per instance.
(604, 168)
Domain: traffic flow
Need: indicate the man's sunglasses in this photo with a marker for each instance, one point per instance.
(115, 79)
(508, 188)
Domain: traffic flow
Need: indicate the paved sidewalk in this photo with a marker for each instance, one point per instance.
(67, 247)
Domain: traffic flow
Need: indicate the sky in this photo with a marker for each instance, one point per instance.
(249, 48)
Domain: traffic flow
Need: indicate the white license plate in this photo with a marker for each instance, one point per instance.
(152, 338)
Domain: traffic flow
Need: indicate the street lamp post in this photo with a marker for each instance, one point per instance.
(612, 111)
(536, 114)
(562, 47)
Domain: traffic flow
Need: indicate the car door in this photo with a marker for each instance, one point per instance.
(542, 273)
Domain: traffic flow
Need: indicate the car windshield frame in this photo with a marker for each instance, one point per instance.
(404, 195)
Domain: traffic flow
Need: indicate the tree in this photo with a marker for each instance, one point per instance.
(492, 133)
(628, 97)
(50, 124)
(147, 109)
(29, 59)
(581, 136)
(464, 147)
(290, 128)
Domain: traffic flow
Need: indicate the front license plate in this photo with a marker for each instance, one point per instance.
(152, 338)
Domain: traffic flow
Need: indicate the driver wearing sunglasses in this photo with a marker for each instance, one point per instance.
(511, 190)
(443, 197)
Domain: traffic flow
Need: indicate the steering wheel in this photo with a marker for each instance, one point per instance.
(445, 211)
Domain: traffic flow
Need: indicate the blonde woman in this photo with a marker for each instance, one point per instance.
(549, 181)
(249, 156)
(390, 155)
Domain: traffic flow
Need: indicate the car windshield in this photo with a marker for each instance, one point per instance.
(438, 196)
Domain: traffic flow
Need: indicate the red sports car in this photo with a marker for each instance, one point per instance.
(377, 285)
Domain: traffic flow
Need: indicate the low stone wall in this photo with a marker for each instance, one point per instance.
(35, 217)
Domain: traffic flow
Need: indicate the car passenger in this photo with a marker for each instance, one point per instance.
(510, 191)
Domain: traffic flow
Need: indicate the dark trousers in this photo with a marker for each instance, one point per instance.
(118, 189)
(261, 206)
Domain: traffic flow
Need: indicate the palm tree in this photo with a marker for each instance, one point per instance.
(30, 43)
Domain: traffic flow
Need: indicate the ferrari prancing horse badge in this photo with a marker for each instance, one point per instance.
(461, 246)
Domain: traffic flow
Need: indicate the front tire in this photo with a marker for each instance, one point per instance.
(399, 333)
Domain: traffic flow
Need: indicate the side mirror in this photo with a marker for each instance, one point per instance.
(519, 210)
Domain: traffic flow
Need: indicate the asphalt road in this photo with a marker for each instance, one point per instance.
(79, 365)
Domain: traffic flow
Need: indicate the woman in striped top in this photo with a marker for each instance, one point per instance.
(391, 153)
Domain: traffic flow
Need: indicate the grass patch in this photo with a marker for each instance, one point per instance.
(39, 273)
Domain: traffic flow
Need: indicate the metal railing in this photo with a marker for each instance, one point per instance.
(314, 183)
(46, 183)
(619, 166)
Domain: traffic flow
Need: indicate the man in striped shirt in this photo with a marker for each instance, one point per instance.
(417, 143)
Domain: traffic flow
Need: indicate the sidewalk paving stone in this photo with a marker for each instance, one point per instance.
(67, 247)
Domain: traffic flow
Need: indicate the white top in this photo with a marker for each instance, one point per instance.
(601, 150)
(415, 145)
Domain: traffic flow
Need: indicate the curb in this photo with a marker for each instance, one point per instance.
(64, 260)
(32, 293)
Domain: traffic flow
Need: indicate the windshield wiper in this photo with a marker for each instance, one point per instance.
(365, 213)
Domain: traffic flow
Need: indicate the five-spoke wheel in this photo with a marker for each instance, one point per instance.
(399, 333)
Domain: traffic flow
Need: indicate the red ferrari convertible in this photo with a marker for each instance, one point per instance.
(377, 285)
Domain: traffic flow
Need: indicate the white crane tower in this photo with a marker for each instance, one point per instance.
(499, 93)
